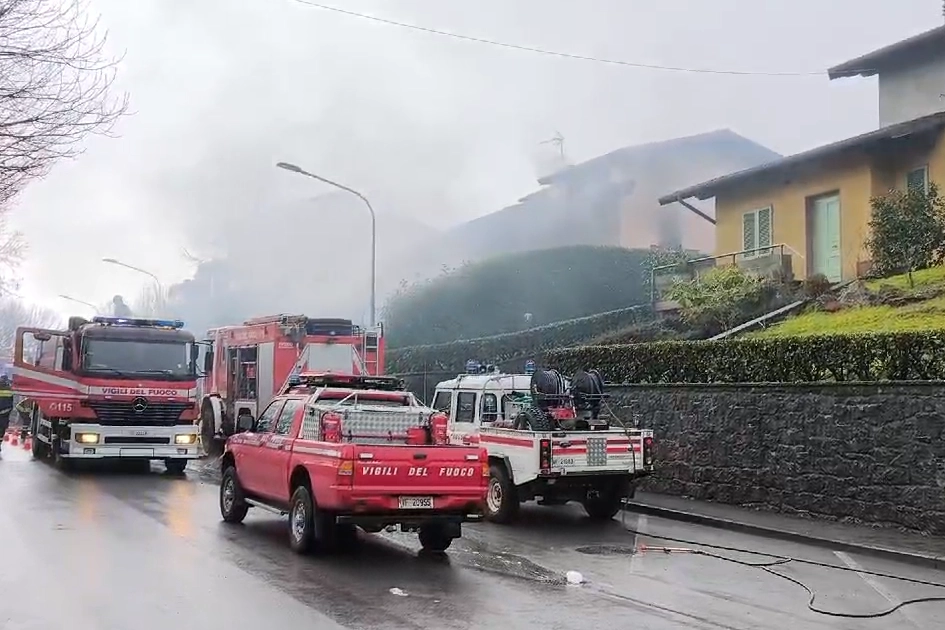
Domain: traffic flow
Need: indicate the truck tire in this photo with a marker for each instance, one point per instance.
(175, 466)
(62, 463)
(233, 508)
(39, 448)
(606, 505)
(534, 419)
(302, 521)
(434, 538)
(502, 496)
(211, 445)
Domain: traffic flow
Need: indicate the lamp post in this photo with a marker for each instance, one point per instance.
(78, 301)
(157, 281)
(297, 169)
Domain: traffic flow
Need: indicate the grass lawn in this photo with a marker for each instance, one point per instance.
(926, 315)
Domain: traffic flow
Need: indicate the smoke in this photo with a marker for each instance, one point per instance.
(434, 131)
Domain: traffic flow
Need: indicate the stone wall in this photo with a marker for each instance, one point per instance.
(867, 452)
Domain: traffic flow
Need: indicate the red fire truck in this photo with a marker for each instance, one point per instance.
(110, 388)
(246, 365)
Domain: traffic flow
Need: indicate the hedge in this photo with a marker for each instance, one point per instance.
(491, 297)
(903, 356)
(531, 343)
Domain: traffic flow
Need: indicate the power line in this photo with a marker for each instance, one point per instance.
(552, 53)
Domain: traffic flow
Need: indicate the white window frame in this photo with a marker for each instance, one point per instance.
(756, 242)
(925, 176)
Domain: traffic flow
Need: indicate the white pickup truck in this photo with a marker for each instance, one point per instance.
(546, 438)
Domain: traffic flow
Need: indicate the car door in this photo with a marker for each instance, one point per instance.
(463, 418)
(249, 459)
(277, 450)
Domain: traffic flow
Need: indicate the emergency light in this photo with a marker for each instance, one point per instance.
(529, 367)
(473, 367)
(138, 321)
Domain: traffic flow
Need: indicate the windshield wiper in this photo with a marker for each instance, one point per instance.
(102, 368)
(156, 371)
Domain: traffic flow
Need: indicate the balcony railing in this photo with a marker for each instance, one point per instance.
(773, 261)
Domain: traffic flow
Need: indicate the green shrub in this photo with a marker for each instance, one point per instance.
(907, 231)
(901, 356)
(531, 343)
(722, 298)
(493, 296)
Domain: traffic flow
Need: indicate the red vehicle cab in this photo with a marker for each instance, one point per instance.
(337, 452)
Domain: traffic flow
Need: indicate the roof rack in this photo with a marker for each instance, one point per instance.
(350, 381)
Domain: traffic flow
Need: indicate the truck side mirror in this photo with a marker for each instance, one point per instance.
(42, 336)
(245, 423)
(208, 361)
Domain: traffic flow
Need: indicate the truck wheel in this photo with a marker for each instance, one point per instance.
(502, 496)
(605, 506)
(208, 431)
(175, 466)
(62, 463)
(302, 521)
(434, 538)
(232, 506)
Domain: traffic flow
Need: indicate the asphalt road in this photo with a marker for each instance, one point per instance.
(107, 549)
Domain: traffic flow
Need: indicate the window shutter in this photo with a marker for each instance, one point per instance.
(748, 231)
(764, 227)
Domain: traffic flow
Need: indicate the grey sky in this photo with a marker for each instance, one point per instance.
(433, 128)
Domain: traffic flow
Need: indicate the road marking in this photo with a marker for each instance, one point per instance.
(637, 558)
(876, 586)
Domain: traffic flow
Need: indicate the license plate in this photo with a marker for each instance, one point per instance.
(416, 503)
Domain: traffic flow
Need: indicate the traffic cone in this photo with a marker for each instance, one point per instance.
(27, 443)
(6, 436)
(15, 440)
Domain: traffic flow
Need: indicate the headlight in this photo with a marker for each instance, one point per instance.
(86, 438)
(187, 438)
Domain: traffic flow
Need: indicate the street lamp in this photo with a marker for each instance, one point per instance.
(297, 169)
(78, 301)
(157, 281)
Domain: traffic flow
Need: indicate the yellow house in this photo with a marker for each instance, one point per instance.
(813, 208)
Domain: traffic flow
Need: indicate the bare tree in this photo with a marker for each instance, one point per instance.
(56, 87)
(151, 302)
(15, 313)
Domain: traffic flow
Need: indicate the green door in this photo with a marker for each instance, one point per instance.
(825, 238)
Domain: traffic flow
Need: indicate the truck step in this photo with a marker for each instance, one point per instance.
(267, 507)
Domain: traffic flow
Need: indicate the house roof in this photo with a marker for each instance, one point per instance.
(718, 140)
(710, 188)
(905, 51)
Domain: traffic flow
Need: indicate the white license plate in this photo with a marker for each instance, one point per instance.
(416, 503)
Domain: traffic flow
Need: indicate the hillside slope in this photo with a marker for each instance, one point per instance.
(886, 305)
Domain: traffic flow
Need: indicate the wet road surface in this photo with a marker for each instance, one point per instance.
(119, 550)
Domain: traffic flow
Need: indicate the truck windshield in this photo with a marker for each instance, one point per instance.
(156, 359)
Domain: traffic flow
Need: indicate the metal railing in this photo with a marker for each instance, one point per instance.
(762, 260)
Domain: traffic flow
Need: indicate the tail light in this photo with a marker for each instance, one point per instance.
(331, 427)
(438, 428)
(544, 456)
(647, 451)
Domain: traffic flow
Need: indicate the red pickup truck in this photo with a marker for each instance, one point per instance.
(338, 452)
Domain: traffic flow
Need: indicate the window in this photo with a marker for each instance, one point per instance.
(164, 360)
(489, 411)
(918, 179)
(465, 407)
(442, 400)
(284, 424)
(267, 417)
(756, 231)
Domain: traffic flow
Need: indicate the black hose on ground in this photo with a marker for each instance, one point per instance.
(783, 560)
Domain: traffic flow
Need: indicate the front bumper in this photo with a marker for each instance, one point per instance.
(132, 442)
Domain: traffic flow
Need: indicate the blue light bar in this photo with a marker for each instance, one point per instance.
(139, 322)
(530, 367)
